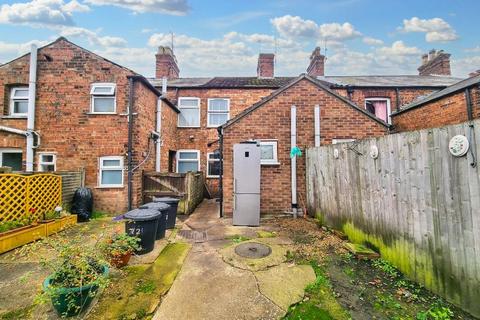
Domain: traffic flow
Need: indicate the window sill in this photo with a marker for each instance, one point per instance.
(193, 127)
(109, 187)
(271, 164)
(213, 177)
(101, 113)
(15, 117)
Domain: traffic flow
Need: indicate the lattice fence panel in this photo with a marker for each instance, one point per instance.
(19, 194)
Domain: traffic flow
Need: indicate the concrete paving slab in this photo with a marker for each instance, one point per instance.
(285, 284)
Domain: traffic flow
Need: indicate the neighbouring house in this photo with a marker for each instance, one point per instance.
(83, 105)
(455, 104)
(206, 103)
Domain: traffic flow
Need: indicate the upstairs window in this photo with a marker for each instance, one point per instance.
(19, 101)
(189, 115)
(268, 152)
(380, 107)
(103, 98)
(213, 164)
(110, 172)
(218, 112)
(188, 160)
(47, 162)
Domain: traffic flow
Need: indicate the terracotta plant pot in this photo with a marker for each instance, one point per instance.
(120, 260)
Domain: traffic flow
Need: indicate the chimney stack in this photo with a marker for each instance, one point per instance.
(266, 65)
(166, 64)
(317, 64)
(435, 63)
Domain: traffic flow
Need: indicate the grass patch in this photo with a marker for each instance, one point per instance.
(98, 215)
(266, 234)
(320, 302)
(237, 238)
(22, 313)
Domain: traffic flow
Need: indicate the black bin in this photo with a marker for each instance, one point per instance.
(162, 218)
(82, 204)
(172, 212)
(142, 223)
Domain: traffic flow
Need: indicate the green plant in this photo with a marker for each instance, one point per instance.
(119, 244)
(98, 215)
(386, 267)
(49, 215)
(10, 225)
(237, 238)
(437, 311)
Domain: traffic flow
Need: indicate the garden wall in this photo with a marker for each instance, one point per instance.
(416, 203)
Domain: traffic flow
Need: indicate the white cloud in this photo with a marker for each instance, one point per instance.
(337, 31)
(173, 7)
(436, 29)
(294, 26)
(40, 13)
(372, 41)
(462, 67)
(399, 49)
(93, 37)
(9, 51)
(473, 50)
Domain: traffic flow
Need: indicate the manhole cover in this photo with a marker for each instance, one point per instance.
(253, 250)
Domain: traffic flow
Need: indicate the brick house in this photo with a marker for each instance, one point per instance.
(206, 103)
(455, 104)
(83, 106)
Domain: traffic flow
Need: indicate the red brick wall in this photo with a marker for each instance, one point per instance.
(448, 110)
(199, 138)
(63, 117)
(169, 135)
(272, 121)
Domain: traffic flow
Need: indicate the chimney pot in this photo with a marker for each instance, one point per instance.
(166, 64)
(317, 64)
(266, 65)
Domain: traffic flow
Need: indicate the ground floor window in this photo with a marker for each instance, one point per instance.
(110, 172)
(47, 162)
(380, 107)
(268, 150)
(11, 158)
(213, 164)
(188, 160)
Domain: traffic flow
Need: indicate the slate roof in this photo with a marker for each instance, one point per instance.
(440, 94)
(406, 81)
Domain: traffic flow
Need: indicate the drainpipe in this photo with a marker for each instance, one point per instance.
(220, 183)
(293, 163)
(130, 143)
(317, 126)
(473, 150)
(32, 83)
(158, 143)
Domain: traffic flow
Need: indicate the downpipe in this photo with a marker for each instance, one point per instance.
(32, 86)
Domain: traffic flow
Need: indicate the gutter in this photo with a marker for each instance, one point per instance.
(130, 143)
(220, 183)
(32, 84)
(14, 130)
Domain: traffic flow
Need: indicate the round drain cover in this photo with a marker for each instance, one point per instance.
(253, 250)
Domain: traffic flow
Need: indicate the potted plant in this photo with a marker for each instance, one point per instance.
(77, 271)
(119, 248)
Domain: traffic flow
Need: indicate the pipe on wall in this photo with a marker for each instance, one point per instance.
(130, 144)
(32, 88)
(317, 126)
(293, 163)
(158, 143)
(220, 183)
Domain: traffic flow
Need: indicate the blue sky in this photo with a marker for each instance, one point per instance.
(225, 37)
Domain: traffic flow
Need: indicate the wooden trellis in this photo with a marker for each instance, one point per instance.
(32, 195)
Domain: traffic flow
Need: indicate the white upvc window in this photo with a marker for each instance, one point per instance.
(213, 164)
(47, 161)
(380, 107)
(19, 101)
(110, 172)
(337, 141)
(189, 116)
(268, 152)
(218, 112)
(188, 160)
(11, 158)
(103, 99)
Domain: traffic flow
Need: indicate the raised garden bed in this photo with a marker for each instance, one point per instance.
(18, 237)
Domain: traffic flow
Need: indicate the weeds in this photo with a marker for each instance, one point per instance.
(237, 238)
(386, 267)
(438, 311)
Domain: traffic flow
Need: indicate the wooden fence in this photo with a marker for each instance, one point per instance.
(71, 181)
(23, 195)
(188, 186)
(416, 203)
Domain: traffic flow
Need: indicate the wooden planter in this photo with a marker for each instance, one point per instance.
(16, 238)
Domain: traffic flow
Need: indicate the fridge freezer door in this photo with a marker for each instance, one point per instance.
(246, 210)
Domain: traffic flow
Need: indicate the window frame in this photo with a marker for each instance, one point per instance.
(12, 112)
(101, 168)
(209, 112)
(274, 143)
(208, 175)
(40, 163)
(112, 94)
(389, 111)
(177, 160)
(180, 108)
(9, 150)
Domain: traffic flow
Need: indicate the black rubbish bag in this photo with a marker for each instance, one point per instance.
(82, 204)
